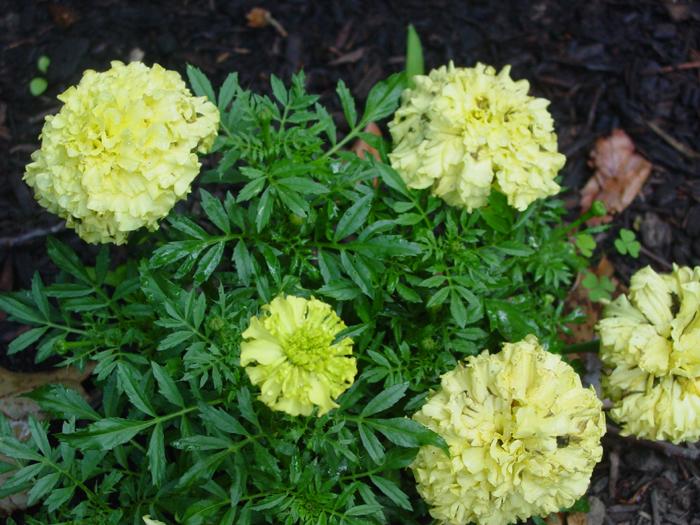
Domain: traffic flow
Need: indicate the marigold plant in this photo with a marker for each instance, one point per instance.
(467, 131)
(524, 436)
(290, 352)
(121, 151)
(650, 344)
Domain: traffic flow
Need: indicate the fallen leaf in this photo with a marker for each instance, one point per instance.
(259, 17)
(619, 176)
(555, 519)
(18, 409)
(348, 58)
(362, 148)
(577, 518)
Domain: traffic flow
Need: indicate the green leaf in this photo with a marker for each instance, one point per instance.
(243, 262)
(391, 178)
(204, 467)
(215, 211)
(278, 90)
(66, 259)
(407, 293)
(392, 491)
(438, 298)
(133, 385)
(58, 497)
(166, 385)
(303, 185)
(221, 420)
(14, 448)
(174, 339)
(383, 99)
(414, 57)
(227, 91)
(200, 83)
(457, 309)
(371, 444)
(407, 433)
(37, 86)
(515, 248)
(156, 455)
(509, 319)
(265, 205)
(353, 218)
(201, 443)
(39, 435)
(16, 307)
(586, 243)
(105, 434)
(208, 263)
(293, 201)
(43, 486)
(251, 189)
(348, 103)
(627, 243)
(62, 401)
(26, 339)
(386, 399)
(185, 225)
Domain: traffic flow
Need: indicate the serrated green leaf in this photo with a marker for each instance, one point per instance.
(221, 420)
(105, 434)
(215, 211)
(24, 340)
(62, 401)
(133, 386)
(383, 99)
(66, 259)
(166, 385)
(372, 445)
(392, 491)
(414, 56)
(303, 185)
(43, 486)
(243, 262)
(353, 218)
(185, 225)
(509, 319)
(200, 83)
(278, 90)
(293, 201)
(156, 455)
(438, 297)
(208, 263)
(251, 189)
(174, 339)
(386, 399)
(407, 433)
(348, 103)
(20, 310)
(201, 443)
(58, 497)
(457, 309)
(264, 210)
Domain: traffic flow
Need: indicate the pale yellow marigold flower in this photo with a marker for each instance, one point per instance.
(524, 436)
(122, 150)
(297, 363)
(466, 131)
(650, 344)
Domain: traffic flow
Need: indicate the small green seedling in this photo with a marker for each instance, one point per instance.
(38, 85)
(600, 289)
(586, 244)
(627, 243)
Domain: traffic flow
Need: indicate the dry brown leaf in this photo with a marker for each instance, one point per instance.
(555, 519)
(259, 17)
(348, 58)
(619, 176)
(18, 409)
(577, 518)
(362, 148)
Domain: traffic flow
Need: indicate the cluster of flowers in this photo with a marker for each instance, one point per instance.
(523, 433)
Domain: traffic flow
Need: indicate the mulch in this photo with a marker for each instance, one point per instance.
(604, 64)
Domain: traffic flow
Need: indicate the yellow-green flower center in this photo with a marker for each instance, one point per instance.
(309, 347)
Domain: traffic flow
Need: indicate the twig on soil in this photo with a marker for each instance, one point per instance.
(26, 237)
(678, 146)
(658, 259)
(667, 448)
(670, 69)
(614, 474)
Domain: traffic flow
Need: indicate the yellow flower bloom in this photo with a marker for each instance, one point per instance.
(524, 436)
(466, 131)
(650, 344)
(122, 150)
(299, 365)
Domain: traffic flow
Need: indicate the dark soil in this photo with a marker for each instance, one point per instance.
(604, 64)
